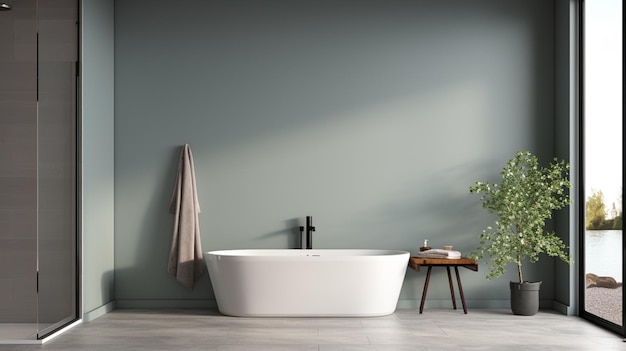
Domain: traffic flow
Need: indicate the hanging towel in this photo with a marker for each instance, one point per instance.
(185, 261)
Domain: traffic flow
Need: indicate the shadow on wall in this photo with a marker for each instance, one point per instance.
(107, 286)
(96, 306)
(285, 73)
(146, 270)
(294, 239)
(406, 220)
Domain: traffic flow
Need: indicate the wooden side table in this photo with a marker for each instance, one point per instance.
(417, 262)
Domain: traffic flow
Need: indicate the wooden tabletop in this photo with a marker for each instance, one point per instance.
(417, 262)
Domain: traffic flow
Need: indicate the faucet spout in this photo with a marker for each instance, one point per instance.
(309, 232)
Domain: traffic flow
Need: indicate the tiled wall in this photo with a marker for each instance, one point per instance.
(56, 159)
(18, 161)
(37, 161)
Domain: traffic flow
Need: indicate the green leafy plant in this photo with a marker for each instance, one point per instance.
(523, 201)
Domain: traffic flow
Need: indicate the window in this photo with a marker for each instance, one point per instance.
(602, 134)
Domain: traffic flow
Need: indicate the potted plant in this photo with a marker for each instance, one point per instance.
(523, 201)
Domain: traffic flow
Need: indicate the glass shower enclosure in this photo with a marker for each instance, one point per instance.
(38, 167)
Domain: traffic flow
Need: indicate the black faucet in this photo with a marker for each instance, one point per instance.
(309, 232)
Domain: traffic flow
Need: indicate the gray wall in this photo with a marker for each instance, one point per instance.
(566, 113)
(374, 117)
(97, 156)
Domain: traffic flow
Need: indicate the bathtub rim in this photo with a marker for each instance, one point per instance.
(291, 253)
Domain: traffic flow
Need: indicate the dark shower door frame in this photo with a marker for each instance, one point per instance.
(599, 320)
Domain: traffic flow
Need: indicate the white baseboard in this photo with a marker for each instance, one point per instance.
(474, 304)
(166, 304)
(100, 311)
(447, 303)
(563, 308)
(402, 304)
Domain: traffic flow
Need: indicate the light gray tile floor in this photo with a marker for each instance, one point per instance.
(434, 330)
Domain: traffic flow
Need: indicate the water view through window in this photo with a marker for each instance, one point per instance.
(603, 178)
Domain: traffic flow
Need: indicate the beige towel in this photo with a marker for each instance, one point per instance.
(185, 261)
(439, 253)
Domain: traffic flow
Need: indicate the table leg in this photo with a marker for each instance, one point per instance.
(425, 289)
(458, 281)
(451, 287)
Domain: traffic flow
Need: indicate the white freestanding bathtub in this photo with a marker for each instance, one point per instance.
(307, 283)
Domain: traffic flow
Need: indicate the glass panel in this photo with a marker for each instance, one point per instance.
(18, 171)
(58, 53)
(603, 159)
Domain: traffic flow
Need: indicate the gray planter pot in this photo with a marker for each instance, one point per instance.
(525, 298)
